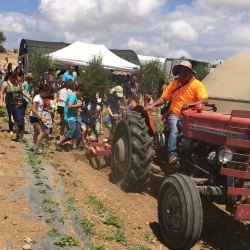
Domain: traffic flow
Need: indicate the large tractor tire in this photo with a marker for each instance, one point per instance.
(180, 212)
(131, 152)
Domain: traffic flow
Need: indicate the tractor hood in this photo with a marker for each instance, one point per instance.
(215, 128)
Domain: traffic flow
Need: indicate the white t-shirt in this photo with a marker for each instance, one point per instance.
(39, 106)
(62, 96)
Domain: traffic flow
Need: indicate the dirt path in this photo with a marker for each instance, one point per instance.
(65, 194)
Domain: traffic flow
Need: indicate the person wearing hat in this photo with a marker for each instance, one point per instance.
(114, 107)
(184, 91)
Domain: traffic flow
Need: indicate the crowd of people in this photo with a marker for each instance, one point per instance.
(79, 113)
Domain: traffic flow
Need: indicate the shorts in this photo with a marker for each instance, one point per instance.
(83, 124)
(34, 120)
(73, 130)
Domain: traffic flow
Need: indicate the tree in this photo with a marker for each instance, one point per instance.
(38, 64)
(202, 70)
(150, 74)
(2, 40)
(95, 78)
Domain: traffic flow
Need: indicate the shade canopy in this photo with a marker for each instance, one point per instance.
(80, 53)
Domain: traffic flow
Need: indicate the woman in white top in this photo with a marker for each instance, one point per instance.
(36, 116)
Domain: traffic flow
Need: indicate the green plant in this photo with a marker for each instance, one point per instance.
(24, 140)
(61, 219)
(56, 164)
(39, 63)
(50, 201)
(2, 38)
(98, 205)
(43, 191)
(202, 70)
(119, 235)
(149, 238)
(54, 232)
(149, 75)
(66, 241)
(2, 49)
(47, 209)
(87, 225)
(44, 143)
(140, 247)
(15, 50)
(95, 77)
(71, 202)
(112, 220)
(97, 247)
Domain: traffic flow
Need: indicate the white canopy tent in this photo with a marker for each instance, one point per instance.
(144, 59)
(80, 53)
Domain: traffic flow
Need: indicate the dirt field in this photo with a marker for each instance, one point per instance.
(65, 200)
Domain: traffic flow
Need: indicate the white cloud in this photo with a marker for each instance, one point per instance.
(232, 5)
(182, 30)
(207, 30)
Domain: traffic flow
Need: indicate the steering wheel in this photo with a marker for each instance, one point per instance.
(211, 106)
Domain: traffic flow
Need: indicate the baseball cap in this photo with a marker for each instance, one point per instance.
(119, 90)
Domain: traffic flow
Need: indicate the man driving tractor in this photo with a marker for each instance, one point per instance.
(182, 92)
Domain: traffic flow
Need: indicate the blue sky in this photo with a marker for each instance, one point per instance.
(200, 29)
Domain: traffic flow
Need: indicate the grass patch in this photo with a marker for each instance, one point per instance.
(158, 123)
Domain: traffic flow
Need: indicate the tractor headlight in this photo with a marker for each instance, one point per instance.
(225, 155)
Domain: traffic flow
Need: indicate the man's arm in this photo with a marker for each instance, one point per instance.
(203, 101)
(156, 103)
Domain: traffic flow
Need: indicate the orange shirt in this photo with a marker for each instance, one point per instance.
(192, 92)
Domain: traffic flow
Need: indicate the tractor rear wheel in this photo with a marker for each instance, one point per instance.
(131, 152)
(180, 212)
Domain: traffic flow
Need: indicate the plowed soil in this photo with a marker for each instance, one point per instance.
(80, 183)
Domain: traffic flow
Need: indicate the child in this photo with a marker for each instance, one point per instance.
(134, 102)
(36, 116)
(114, 108)
(72, 103)
(148, 98)
(95, 117)
(18, 118)
(47, 118)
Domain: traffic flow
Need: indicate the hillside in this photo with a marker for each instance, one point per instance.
(12, 58)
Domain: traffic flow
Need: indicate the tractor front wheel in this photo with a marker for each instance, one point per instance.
(180, 212)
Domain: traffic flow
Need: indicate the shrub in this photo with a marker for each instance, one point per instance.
(2, 49)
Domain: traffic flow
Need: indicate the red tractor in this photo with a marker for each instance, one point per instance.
(214, 162)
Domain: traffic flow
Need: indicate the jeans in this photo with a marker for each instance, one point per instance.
(9, 108)
(175, 127)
